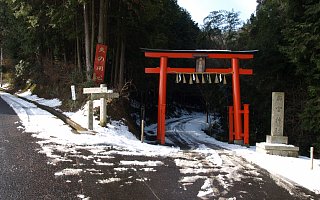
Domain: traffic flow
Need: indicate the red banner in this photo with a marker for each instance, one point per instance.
(99, 63)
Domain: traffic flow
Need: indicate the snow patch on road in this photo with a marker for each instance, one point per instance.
(141, 163)
(94, 171)
(148, 169)
(110, 180)
(103, 163)
(83, 197)
(68, 172)
(206, 190)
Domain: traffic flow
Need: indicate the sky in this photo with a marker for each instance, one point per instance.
(199, 9)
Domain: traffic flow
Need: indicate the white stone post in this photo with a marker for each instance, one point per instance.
(103, 109)
(142, 131)
(142, 122)
(311, 157)
(73, 92)
(90, 114)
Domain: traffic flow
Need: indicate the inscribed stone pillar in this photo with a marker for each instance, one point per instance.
(277, 114)
(277, 119)
(276, 143)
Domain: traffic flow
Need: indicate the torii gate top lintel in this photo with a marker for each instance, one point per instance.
(157, 53)
(240, 135)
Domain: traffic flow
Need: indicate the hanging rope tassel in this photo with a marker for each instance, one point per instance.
(216, 80)
(184, 78)
(224, 80)
(177, 78)
(209, 78)
(197, 79)
(220, 78)
(190, 80)
(203, 80)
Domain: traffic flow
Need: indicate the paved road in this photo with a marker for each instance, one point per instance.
(24, 173)
(108, 172)
(248, 180)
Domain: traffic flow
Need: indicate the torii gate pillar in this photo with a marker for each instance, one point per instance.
(236, 100)
(162, 100)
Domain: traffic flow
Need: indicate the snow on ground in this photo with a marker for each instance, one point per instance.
(56, 136)
(48, 127)
(297, 170)
(5, 86)
(47, 102)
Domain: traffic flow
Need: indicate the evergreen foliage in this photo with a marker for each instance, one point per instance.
(43, 37)
(303, 50)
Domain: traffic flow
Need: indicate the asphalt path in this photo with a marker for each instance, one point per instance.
(26, 174)
(249, 180)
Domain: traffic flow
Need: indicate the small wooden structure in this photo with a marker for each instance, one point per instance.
(102, 94)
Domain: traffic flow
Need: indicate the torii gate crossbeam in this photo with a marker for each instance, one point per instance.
(235, 70)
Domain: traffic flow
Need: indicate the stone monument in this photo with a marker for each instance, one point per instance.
(277, 143)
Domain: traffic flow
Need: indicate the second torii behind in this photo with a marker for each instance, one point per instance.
(237, 135)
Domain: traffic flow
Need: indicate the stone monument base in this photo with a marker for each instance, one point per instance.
(277, 139)
(278, 149)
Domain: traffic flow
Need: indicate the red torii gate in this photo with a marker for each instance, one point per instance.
(236, 134)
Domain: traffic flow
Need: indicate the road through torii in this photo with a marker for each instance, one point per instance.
(236, 133)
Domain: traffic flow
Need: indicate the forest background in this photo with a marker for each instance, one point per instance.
(50, 44)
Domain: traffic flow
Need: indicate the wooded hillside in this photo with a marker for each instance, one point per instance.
(52, 44)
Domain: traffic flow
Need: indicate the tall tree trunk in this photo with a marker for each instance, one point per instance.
(92, 31)
(118, 50)
(87, 42)
(122, 62)
(105, 30)
(113, 66)
(64, 49)
(51, 57)
(75, 55)
(116, 69)
(78, 54)
(101, 22)
(65, 56)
